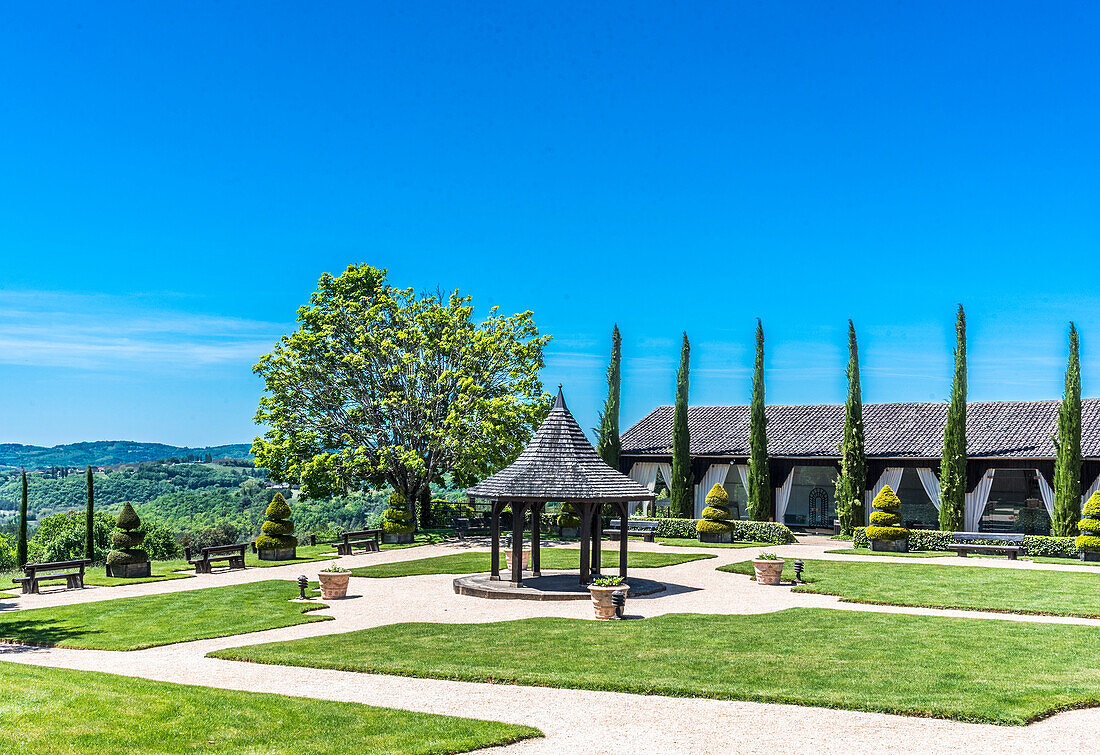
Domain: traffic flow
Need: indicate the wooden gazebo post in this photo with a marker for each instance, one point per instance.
(536, 539)
(517, 543)
(494, 536)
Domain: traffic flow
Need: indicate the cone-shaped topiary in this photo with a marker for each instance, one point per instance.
(278, 529)
(1089, 526)
(716, 515)
(127, 539)
(568, 516)
(886, 519)
(396, 520)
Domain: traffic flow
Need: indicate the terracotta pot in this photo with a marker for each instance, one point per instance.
(768, 572)
(334, 584)
(526, 558)
(601, 599)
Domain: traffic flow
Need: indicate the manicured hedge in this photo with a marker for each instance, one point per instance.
(762, 532)
(934, 540)
(716, 515)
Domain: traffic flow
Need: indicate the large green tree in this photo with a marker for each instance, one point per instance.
(379, 385)
(953, 462)
(21, 543)
(608, 445)
(760, 485)
(1067, 467)
(852, 482)
(682, 485)
(89, 515)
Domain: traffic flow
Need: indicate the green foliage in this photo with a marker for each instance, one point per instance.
(1089, 525)
(1087, 542)
(397, 522)
(127, 539)
(716, 515)
(753, 532)
(379, 384)
(937, 540)
(8, 555)
(1091, 508)
(1067, 466)
(63, 537)
(568, 516)
(759, 505)
(953, 461)
(886, 504)
(278, 527)
(608, 581)
(1050, 547)
(852, 482)
(103, 453)
(681, 486)
(608, 444)
(335, 568)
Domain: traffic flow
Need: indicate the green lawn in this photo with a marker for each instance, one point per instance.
(552, 558)
(134, 623)
(911, 554)
(690, 542)
(967, 669)
(65, 712)
(936, 586)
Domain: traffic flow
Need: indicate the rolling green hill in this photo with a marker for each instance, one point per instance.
(107, 452)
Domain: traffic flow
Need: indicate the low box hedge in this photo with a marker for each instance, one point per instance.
(935, 540)
(759, 532)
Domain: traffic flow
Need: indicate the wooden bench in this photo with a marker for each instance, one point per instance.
(72, 571)
(644, 529)
(234, 554)
(369, 539)
(964, 543)
(464, 526)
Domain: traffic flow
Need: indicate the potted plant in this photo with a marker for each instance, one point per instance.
(715, 526)
(1088, 542)
(508, 554)
(769, 569)
(885, 532)
(127, 559)
(334, 581)
(601, 589)
(569, 524)
(277, 543)
(397, 527)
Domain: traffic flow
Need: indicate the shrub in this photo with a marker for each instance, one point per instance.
(716, 515)
(278, 529)
(62, 537)
(935, 540)
(1089, 526)
(768, 557)
(159, 542)
(397, 519)
(334, 568)
(885, 520)
(606, 581)
(1051, 547)
(127, 539)
(7, 554)
(772, 533)
(568, 516)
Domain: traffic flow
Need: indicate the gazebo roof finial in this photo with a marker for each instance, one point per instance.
(559, 402)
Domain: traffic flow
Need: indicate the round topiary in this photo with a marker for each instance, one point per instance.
(885, 521)
(278, 528)
(716, 515)
(397, 519)
(1089, 526)
(568, 516)
(127, 539)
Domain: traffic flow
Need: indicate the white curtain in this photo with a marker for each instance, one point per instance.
(976, 501)
(931, 485)
(1092, 489)
(890, 476)
(1047, 492)
(716, 475)
(782, 496)
(743, 472)
(645, 474)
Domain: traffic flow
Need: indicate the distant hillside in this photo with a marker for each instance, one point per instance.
(106, 452)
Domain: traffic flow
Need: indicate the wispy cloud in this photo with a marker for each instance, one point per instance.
(58, 329)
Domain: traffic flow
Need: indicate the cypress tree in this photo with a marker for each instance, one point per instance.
(89, 518)
(609, 445)
(1067, 467)
(852, 483)
(681, 485)
(953, 463)
(21, 544)
(759, 483)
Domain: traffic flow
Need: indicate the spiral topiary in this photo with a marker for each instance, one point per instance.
(886, 519)
(568, 516)
(397, 520)
(278, 528)
(716, 515)
(1089, 526)
(127, 539)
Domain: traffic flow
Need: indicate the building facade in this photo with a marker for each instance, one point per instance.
(1010, 459)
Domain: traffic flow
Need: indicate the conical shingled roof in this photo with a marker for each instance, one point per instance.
(559, 464)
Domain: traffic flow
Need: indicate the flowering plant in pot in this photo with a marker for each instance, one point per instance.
(769, 569)
(601, 588)
(334, 581)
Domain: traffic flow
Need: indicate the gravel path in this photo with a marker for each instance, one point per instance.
(574, 720)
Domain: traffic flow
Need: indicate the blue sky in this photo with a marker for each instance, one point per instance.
(177, 176)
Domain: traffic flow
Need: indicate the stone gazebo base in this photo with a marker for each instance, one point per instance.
(547, 587)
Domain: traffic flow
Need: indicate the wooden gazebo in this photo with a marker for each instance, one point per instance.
(559, 465)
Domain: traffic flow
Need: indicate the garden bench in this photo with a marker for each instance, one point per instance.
(72, 571)
(369, 539)
(964, 543)
(634, 528)
(465, 526)
(234, 554)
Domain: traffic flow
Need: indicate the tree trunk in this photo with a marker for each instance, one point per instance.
(426, 506)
